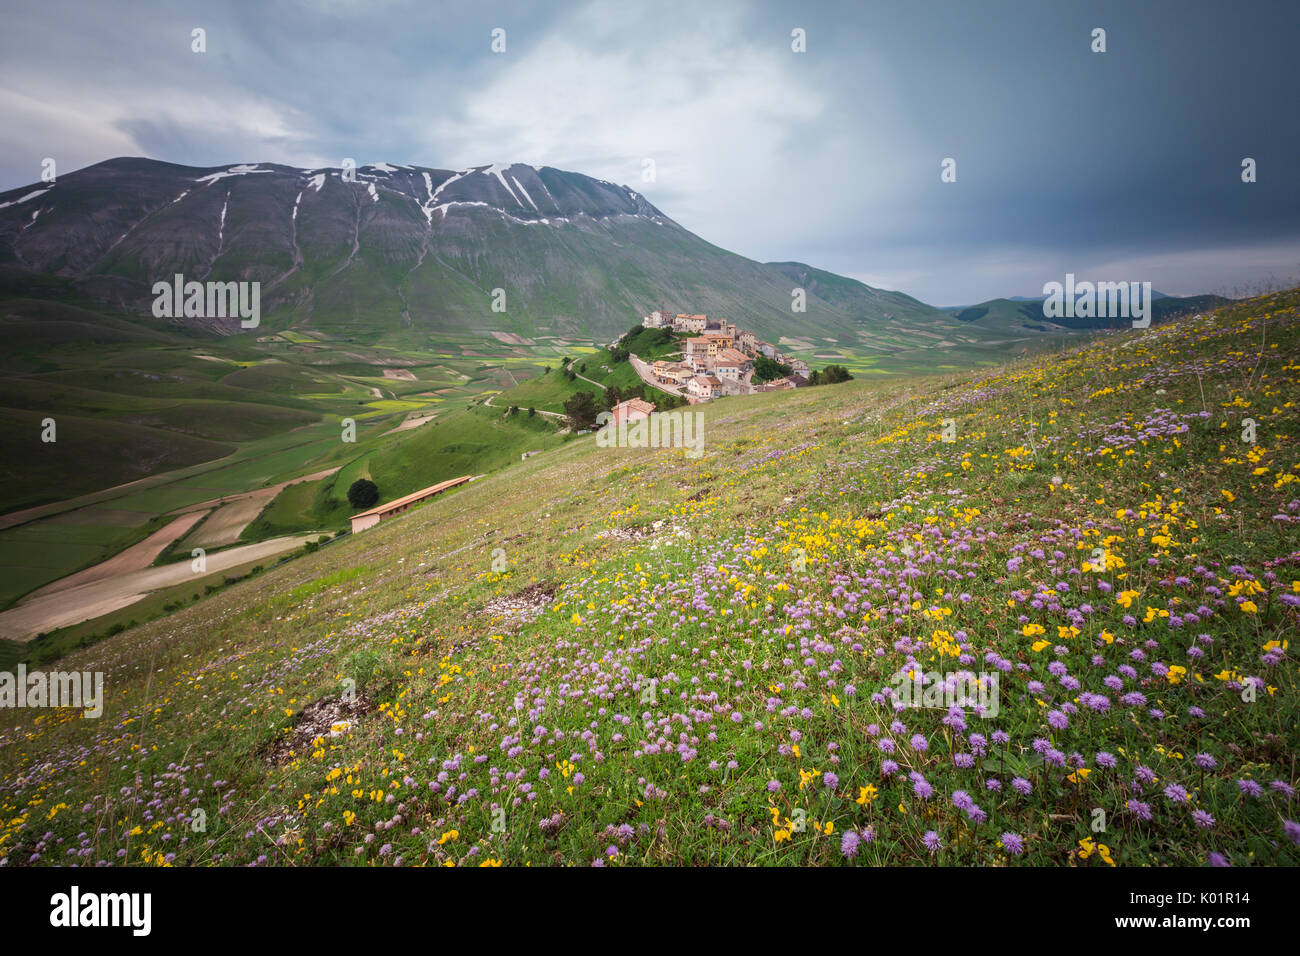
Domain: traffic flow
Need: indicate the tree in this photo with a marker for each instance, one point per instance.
(830, 375)
(581, 409)
(363, 493)
(766, 369)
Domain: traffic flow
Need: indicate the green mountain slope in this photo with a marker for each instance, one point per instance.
(402, 250)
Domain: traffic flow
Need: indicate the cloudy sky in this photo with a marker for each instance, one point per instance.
(1117, 165)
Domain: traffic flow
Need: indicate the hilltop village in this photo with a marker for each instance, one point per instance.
(718, 358)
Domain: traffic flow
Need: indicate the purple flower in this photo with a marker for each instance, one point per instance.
(1013, 844)
(932, 841)
(1139, 809)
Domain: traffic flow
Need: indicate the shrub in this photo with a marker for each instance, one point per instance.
(363, 493)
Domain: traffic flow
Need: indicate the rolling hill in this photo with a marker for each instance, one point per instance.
(1021, 316)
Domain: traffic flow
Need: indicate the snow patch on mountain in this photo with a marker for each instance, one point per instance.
(32, 195)
(240, 170)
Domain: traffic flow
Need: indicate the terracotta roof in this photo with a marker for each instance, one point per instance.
(636, 405)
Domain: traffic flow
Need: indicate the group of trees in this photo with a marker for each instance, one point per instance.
(567, 369)
(583, 407)
(830, 375)
(766, 369)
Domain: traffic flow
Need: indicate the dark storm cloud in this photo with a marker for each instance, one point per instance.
(1122, 162)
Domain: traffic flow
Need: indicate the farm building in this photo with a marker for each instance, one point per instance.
(368, 519)
(631, 410)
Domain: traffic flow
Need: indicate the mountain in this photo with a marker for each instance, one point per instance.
(1019, 315)
(855, 299)
(395, 248)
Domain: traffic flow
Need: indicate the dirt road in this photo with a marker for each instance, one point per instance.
(95, 598)
(135, 558)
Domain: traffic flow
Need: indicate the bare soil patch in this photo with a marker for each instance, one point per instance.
(324, 718)
(521, 608)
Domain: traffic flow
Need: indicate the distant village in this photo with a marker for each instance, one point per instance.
(718, 359)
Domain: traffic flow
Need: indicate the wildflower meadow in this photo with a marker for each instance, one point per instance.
(1035, 615)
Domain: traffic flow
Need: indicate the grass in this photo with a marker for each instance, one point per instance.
(690, 660)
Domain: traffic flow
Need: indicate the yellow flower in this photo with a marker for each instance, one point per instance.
(867, 794)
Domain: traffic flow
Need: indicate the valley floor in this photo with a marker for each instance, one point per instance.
(619, 656)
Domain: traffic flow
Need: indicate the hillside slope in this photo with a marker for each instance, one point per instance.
(690, 660)
(1019, 316)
